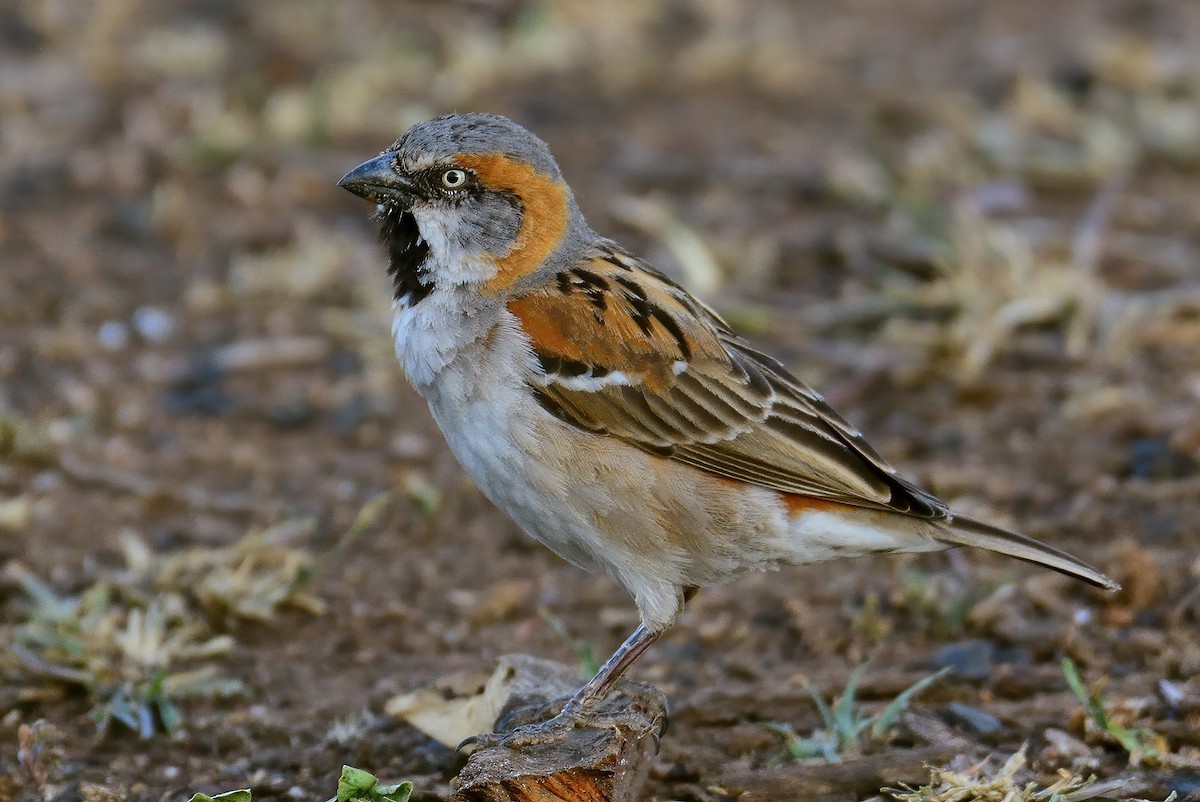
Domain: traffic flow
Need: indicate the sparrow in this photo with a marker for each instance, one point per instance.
(612, 415)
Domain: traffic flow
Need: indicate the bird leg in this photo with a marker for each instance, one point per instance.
(580, 707)
(600, 686)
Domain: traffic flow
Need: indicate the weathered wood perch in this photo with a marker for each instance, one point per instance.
(605, 763)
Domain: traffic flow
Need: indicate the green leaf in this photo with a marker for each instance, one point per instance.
(1075, 682)
(400, 792)
(887, 719)
(819, 744)
(1132, 741)
(241, 795)
(846, 723)
(48, 604)
(356, 784)
(169, 715)
(822, 708)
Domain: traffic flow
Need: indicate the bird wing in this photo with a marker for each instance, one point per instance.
(627, 353)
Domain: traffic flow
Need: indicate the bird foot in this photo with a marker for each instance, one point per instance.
(543, 732)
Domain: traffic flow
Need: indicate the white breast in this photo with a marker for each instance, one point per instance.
(478, 396)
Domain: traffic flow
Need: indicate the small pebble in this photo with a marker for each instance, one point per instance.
(975, 720)
(1062, 747)
(346, 362)
(1170, 693)
(293, 415)
(45, 482)
(114, 335)
(209, 401)
(970, 659)
(198, 391)
(153, 323)
(349, 416)
(1153, 458)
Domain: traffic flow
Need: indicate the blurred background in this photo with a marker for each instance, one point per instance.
(230, 530)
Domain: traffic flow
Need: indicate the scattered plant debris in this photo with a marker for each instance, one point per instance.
(974, 784)
(135, 662)
(140, 642)
(250, 579)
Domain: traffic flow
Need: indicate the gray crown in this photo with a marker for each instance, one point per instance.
(447, 136)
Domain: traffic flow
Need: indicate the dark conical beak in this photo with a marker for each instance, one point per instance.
(377, 180)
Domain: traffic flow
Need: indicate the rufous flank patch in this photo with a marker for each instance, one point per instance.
(797, 504)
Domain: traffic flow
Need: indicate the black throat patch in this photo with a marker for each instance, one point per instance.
(407, 256)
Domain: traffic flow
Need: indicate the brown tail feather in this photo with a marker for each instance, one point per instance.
(965, 531)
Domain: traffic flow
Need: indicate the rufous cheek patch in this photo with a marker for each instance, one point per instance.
(543, 218)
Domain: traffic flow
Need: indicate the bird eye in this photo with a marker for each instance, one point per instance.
(454, 179)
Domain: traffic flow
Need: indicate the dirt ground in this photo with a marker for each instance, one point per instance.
(974, 226)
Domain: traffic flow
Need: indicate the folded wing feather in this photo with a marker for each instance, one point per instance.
(628, 353)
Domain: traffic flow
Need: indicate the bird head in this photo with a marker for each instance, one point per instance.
(468, 199)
